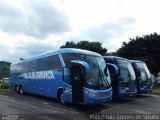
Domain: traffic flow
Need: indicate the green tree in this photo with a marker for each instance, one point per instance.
(112, 54)
(4, 85)
(70, 44)
(86, 45)
(145, 48)
(4, 69)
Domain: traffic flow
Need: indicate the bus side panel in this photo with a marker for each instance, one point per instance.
(44, 87)
(14, 79)
(49, 87)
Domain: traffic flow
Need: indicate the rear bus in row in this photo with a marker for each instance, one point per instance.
(123, 78)
(143, 77)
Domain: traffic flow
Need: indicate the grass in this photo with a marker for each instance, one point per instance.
(4, 90)
(156, 90)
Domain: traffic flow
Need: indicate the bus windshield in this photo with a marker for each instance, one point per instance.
(144, 72)
(96, 78)
(147, 70)
(127, 74)
(132, 73)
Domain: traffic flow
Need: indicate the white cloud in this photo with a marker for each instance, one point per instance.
(31, 27)
(37, 18)
(20, 46)
(109, 33)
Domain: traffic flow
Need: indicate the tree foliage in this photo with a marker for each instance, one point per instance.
(112, 54)
(4, 69)
(86, 45)
(4, 85)
(145, 48)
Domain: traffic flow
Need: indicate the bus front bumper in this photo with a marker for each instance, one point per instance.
(97, 96)
(144, 89)
(127, 91)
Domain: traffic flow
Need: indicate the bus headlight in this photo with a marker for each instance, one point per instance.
(92, 94)
(122, 91)
(126, 88)
(98, 95)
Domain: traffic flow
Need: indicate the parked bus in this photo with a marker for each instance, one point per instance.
(143, 77)
(123, 77)
(70, 75)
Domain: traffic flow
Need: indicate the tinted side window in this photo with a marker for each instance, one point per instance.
(108, 60)
(48, 63)
(52, 62)
(25, 66)
(17, 68)
(67, 57)
(33, 65)
(13, 68)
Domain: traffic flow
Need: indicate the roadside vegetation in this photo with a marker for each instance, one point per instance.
(4, 69)
(4, 86)
(156, 90)
(4, 90)
(4, 73)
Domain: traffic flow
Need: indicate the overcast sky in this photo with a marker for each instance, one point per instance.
(32, 27)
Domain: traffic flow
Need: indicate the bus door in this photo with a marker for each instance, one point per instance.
(77, 84)
(68, 87)
(73, 91)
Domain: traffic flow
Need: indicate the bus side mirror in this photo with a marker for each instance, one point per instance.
(81, 64)
(113, 69)
(78, 70)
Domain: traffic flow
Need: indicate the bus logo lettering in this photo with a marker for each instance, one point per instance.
(39, 75)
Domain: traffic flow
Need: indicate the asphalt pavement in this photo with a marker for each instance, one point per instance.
(30, 106)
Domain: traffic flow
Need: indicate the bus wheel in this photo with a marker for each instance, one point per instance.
(61, 98)
(17, 88)
(21, 90)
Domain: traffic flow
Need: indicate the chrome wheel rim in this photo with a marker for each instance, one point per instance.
(17, 89)
(61, 98)
(21, 91)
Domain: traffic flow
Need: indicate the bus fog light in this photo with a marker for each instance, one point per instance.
(122, 91)
(126, 88)
(92, 94)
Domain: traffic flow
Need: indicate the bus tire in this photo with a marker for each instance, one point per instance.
(61, 97)
(21, 91)
(17, 88)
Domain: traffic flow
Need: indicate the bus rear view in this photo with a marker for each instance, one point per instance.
(122, 76)
(143, 77)
(70, 75)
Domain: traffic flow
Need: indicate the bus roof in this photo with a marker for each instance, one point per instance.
(136, 61)
(64, 50)
(112, 57)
